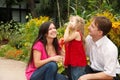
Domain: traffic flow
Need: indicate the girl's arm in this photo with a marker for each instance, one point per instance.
(67, 36)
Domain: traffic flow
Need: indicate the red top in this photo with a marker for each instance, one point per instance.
(75, 54)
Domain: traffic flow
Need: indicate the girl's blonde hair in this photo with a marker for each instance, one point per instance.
(80, 23)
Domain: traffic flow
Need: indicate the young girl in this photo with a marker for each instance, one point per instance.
(75, 58)
(45, 54)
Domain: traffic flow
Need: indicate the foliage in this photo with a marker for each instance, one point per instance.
(115, 33)
(10, 31)
(10, 52)
(60, 32)
(4, 49)
(32, 27)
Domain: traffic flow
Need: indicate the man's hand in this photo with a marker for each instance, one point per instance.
(84, 77)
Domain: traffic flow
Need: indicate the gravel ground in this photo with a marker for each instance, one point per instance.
(11, 69)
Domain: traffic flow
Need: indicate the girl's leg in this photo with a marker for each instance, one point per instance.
(46, 72)
(76, 72)
(68, 72)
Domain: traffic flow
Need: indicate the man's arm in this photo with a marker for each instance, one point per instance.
(96, 76)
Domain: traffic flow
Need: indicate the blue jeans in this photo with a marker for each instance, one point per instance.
(47, 72)
(76, 72)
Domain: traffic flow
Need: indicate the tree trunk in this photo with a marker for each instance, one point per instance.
(59, 17)
(31, 5)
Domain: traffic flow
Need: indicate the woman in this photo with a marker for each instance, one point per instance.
(45, 54)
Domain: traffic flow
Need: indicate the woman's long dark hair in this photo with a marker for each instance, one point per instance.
(43, 30)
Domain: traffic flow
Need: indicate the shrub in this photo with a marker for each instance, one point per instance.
(10, 31)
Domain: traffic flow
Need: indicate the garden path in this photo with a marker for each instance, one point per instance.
(11, 69)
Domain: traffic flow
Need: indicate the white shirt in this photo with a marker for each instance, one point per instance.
(103, 55)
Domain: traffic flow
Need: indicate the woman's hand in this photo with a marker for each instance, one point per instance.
(57, 58)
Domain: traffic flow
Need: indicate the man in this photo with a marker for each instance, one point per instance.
(101, 51)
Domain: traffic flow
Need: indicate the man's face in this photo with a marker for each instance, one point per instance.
(93, 30)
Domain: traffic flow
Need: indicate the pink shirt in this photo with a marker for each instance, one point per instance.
(31, 67)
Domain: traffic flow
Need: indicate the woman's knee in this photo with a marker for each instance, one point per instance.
(52, 65)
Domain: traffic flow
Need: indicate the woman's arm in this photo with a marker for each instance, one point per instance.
(38, 62)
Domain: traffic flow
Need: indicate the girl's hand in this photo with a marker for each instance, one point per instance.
(70, 26)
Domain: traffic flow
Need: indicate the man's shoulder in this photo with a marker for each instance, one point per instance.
(110, 43)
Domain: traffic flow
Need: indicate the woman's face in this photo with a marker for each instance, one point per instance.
(52, 32)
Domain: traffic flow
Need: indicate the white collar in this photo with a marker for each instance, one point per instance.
(100, 41)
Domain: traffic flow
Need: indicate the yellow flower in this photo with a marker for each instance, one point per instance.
(116, 24)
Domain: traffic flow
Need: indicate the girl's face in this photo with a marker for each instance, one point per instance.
(52, 32)
(72, 22)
